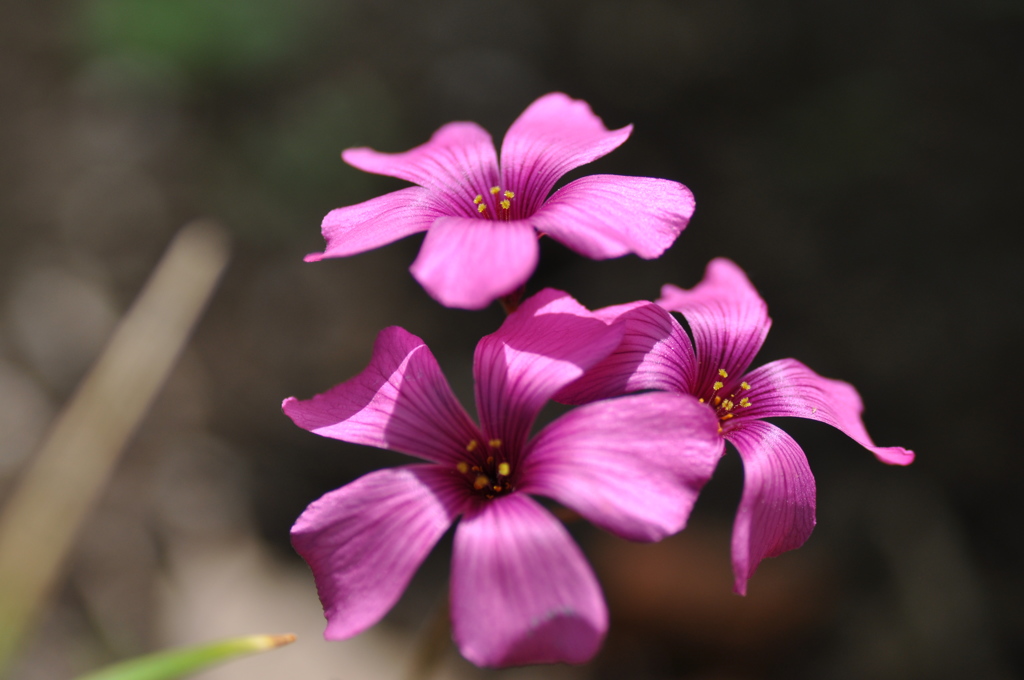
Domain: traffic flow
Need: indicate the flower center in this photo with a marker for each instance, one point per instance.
(485, 472)
(496, 204)
(725, 407)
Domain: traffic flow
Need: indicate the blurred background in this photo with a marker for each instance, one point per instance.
(862, 162)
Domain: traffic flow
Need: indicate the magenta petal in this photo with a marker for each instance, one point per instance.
(365, 540)
(377, 222)
(522, 592)
(603, 216)
(633, 465)
(457, 163)
(545, 344)
(788, 388)
(729, 320)
(551, 137)
(468, 263)
(655, 354)
(401, 401)
(776, 512)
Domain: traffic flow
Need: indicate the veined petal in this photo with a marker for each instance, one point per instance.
(603, 216)
(551, 137)
(633, 465)
(655, 354)
(456, 164)
(365, 541)
(401, 401)
(377, 222)
(545, 344)
(468, 263)
(728, 318)
(776, 512)
(522, 592)
(788, 388)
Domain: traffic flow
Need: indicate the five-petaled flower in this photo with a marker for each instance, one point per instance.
(521, 590)
(482, 217)
(729, 322)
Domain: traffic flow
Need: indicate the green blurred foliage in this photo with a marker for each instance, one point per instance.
(226, 38)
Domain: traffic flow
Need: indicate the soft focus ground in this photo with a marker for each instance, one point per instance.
(862, 161)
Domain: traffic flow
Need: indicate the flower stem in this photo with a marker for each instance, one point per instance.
(510, 302)
(433, 641)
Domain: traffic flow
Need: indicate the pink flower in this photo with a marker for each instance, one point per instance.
(521, 590)
(729, 322)
(482, 217)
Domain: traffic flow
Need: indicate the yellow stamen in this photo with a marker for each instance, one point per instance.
(506, 204)
(718, 385)
(509, 194)
(471, 446)
(481, 482)
(744, 402)
(726, 417)
(480, 208)
(727, 405)
(504, 469)
(494, 443)
(479, 199)
(495, 190)
(462, 467)
(722, 373)
(745, 385)
(701, 400)
(716, 401)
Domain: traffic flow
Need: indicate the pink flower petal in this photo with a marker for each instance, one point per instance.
(776, 512)
(401, 401)
(603, 216)
(633, 465)
(551, 137)
(545, 344)
(655, 354)
(522, 592)
(729, 321)
(468, 263)
(377, 222)
(788, 388)
(365, 541)
(457, 163)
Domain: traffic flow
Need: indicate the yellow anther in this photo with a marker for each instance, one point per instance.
(725, 417)
(462, 467)
(722, 373)
(509, 194)
(701, 400)
(480, 208)
(471, 446)
(481, 482)
(727, 405)
(506, 204)
(718, 385)
(716, 401)
(494, 443)
(495, 190)
(744, 402)
(479, 199)
(745, 385)
(504, 469)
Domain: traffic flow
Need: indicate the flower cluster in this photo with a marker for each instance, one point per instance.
(654, 406)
